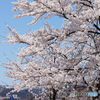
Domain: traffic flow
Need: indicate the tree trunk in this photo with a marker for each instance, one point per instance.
(54, 94)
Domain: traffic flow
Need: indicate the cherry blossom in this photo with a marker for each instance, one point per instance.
(53, 58)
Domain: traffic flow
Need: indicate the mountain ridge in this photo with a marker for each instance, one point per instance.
(22, 94)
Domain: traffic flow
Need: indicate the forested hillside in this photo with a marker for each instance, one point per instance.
(22, 94)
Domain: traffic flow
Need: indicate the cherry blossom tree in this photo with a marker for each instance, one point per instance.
(53, 58)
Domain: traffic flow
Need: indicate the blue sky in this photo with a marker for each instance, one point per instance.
(20, 24)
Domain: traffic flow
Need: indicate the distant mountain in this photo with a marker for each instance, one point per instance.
(4, 91)
(22, 94)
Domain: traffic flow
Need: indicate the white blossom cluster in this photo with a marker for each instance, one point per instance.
(44, 61)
